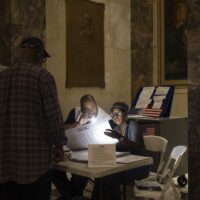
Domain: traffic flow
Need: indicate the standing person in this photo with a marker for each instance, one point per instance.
(31, 126)
(87, 112)
(130, 139)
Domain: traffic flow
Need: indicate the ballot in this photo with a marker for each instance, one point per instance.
(93, 133)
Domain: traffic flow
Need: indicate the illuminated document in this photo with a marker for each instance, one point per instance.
(93, 133)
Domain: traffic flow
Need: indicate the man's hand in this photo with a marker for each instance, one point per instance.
(84, 119)
(58, 153)
(113, 133)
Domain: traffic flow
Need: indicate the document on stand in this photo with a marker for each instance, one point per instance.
(101, 155)
(81, 137)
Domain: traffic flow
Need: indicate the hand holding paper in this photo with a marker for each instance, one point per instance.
(84, 119)
(80, 137)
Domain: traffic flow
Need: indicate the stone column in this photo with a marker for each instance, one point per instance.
(141, 44)
(194, 98)
(19, 19)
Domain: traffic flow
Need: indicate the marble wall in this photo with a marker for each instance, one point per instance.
(141, 44)
(20, 19)
(194, 98)
(5, 20)
(27, 19)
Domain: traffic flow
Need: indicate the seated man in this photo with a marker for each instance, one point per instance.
(78, 116)
(84, 113)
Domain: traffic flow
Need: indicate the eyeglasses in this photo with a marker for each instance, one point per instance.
(116, 114)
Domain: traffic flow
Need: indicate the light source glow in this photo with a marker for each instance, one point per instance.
(93, 119)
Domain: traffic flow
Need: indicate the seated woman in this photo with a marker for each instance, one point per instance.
(130, 139)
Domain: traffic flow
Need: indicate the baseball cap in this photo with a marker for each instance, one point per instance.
(34, 43)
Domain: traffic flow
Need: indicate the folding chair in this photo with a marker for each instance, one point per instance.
(158, 189)
(158, 144)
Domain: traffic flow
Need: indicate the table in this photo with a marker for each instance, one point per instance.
(81, 168)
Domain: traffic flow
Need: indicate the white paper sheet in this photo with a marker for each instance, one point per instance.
(159, 98)
(81, 137)
(158, 101)
(147, 92)
(157, 104)
(130, 158)
(162, 90)
(101, 155)
(143, 103)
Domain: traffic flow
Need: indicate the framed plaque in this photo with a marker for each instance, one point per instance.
(85, 44)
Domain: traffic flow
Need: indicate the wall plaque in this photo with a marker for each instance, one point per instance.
(85, 44)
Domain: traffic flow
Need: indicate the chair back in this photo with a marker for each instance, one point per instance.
(172, 165)
(164, 185)
(156, 144)
(175, 158)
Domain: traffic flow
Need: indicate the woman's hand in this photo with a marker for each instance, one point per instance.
(113, 133)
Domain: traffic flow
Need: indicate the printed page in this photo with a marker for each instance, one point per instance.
(130, 158)
(158, 101)
(145, 97)
(147, 92)
(101, 155)
(157, 105)
(93, 133)
(143, 103)
(81, 155)
(162, 90)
